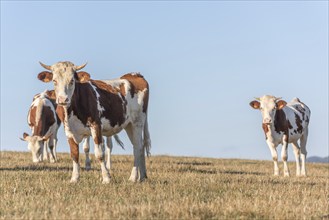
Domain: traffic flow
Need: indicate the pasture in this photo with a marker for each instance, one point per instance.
(176, 188)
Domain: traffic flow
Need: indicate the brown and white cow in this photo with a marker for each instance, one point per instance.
(101, 107)
(285, 123)
(44, 124)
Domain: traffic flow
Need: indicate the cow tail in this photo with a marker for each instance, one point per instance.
(147, 139)
(117, 139)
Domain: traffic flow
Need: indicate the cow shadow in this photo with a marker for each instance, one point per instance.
(230, 172)
(40, 168)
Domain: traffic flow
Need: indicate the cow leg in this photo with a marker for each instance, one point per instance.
(86, 149)
(52, 148)
(303, 141)
(99, 152)
(274, 156)
(109, 147)
(297, 157)
(284, 156)
(135, 136)
(74, 148)
(55, 148)
(45, 150)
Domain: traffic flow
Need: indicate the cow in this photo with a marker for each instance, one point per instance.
(101, 108)
(44, 124)
(285, 123)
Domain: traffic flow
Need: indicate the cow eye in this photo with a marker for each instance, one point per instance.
(55, 82)
(71, 82)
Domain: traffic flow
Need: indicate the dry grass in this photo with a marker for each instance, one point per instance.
(177, 188)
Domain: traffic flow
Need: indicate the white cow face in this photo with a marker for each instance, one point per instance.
(64, 77)
(35, 145)
(268, 105)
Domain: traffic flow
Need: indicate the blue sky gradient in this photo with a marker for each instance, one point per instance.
(205, 61)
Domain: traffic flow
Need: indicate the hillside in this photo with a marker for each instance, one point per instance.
(316, 159)
(177, 188)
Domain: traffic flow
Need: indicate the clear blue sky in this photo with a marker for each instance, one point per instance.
(205, 61)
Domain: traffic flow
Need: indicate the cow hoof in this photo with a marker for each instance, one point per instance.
(106, 181)
(133, 179)
(74, 180)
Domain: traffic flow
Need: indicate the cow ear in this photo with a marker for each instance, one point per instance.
(255, 104)
(25, 137)
(280, 104)
(83, 76)
(45, 76)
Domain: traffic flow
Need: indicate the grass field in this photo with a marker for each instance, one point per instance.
(177, 188)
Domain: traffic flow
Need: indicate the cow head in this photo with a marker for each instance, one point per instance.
(35, 145)
(268, 105)
(64, 76)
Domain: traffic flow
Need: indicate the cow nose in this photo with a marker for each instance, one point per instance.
(63, 100)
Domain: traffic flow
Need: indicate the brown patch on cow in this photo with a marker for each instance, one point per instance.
(74, 148)
(104, 86)
(25, 135)
(60, 113)
(138, 83)
(46, 120)
(82, 76)
(122, 89)
(51, 95)
(265, 129)
(98, 131)
(281, 124)
(32, 116)
(299, 123)
(113, 101)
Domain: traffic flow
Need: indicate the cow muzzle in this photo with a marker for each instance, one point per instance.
(267, 121)
(62, 100)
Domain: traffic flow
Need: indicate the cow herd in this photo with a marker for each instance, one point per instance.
(102, 108)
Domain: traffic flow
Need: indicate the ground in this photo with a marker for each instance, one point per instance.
(176, 188)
